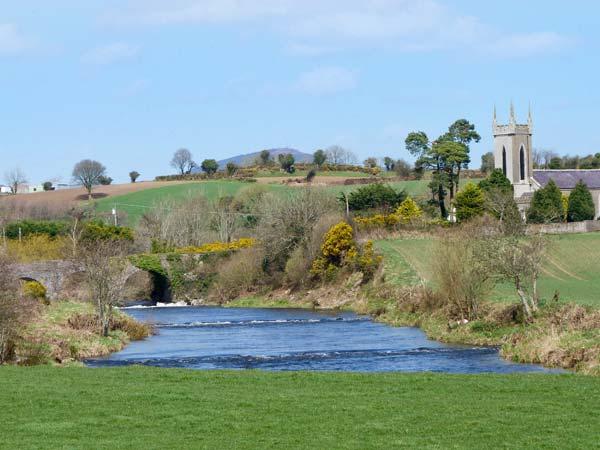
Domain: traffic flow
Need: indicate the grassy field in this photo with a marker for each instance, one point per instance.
(136, 203)
(137, 407)
(572, 267)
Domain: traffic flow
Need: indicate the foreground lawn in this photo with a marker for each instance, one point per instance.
(571, 267)
(45, 407)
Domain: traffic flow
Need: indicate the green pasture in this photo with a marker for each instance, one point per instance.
(135, 204)
(146, 408)
(572, 267)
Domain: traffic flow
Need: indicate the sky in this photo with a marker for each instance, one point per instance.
(128, 82)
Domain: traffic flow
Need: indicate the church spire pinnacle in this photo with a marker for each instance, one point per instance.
(495, 120)
(530, 118)
(513, 120)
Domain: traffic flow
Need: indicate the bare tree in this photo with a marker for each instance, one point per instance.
(75, 229)
(537, 158)
(286, 222)
(104, 266)
(519, 260)
(336, 155)
(545, 157)
(225, 219)
(350, 158)
(14, 310)
(178, 223)
(14, 178)
(88, 173)
(461, 269)
(182, 161)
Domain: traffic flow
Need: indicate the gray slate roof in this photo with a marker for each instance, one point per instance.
(567, 179)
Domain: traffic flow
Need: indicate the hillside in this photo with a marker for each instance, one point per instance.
(249, 158)
(571, 267)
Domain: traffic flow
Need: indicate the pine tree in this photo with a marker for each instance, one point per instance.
(496, 180)
(581, 205)
(546, 205)
(469, 202)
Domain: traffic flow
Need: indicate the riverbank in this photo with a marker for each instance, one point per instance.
(67, 332)
(141, 407)
(563, 336)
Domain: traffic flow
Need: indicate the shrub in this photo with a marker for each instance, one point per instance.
(49, 228)
(241, 273)
(580, 204)
(100, 231)
(34, 290)
(218, 247)
(374, 196)
(408, 211)
(37, 248)
(15, 311)
(339, 249)
(287, 222)
(209, 166)
(460, 272)
(377, 221)
(469, 202)
(546, 205)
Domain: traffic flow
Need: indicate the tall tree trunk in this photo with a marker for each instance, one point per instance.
(441, 201)
(534, 298)
(523, 297)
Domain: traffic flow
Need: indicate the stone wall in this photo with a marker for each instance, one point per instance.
(586, 226)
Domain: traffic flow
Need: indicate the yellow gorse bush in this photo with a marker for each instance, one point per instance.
(218, 247)
(34, 289)
(37, 247)
(406, 212)
(340, 249)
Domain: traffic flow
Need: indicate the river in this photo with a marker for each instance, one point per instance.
(295, 339)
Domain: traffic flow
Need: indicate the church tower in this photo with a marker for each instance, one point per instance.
(513, 152)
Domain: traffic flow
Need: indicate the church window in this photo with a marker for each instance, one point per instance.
(504, 161)
(522, 163)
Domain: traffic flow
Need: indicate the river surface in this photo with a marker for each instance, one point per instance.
(295, 339)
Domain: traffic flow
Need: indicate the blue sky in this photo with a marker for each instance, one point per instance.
(128, 82)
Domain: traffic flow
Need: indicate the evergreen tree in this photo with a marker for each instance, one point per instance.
(497, 180)
(319, 158)
(408, 211)
(546, 205)
(581, 205)
(469, 202)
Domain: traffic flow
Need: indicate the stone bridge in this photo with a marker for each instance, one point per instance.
(55, 275)
(52, 274)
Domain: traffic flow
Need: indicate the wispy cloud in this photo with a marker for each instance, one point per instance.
(11, 40)
(314, 27)
(326, 80)
(110, 54)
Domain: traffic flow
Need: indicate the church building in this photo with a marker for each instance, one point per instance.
(513, 154)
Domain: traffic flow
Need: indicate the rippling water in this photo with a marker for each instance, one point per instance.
(293, 339)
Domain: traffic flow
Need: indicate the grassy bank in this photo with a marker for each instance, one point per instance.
(65, 332)
(166, 408)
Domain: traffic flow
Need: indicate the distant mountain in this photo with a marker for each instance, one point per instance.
(247, 160)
